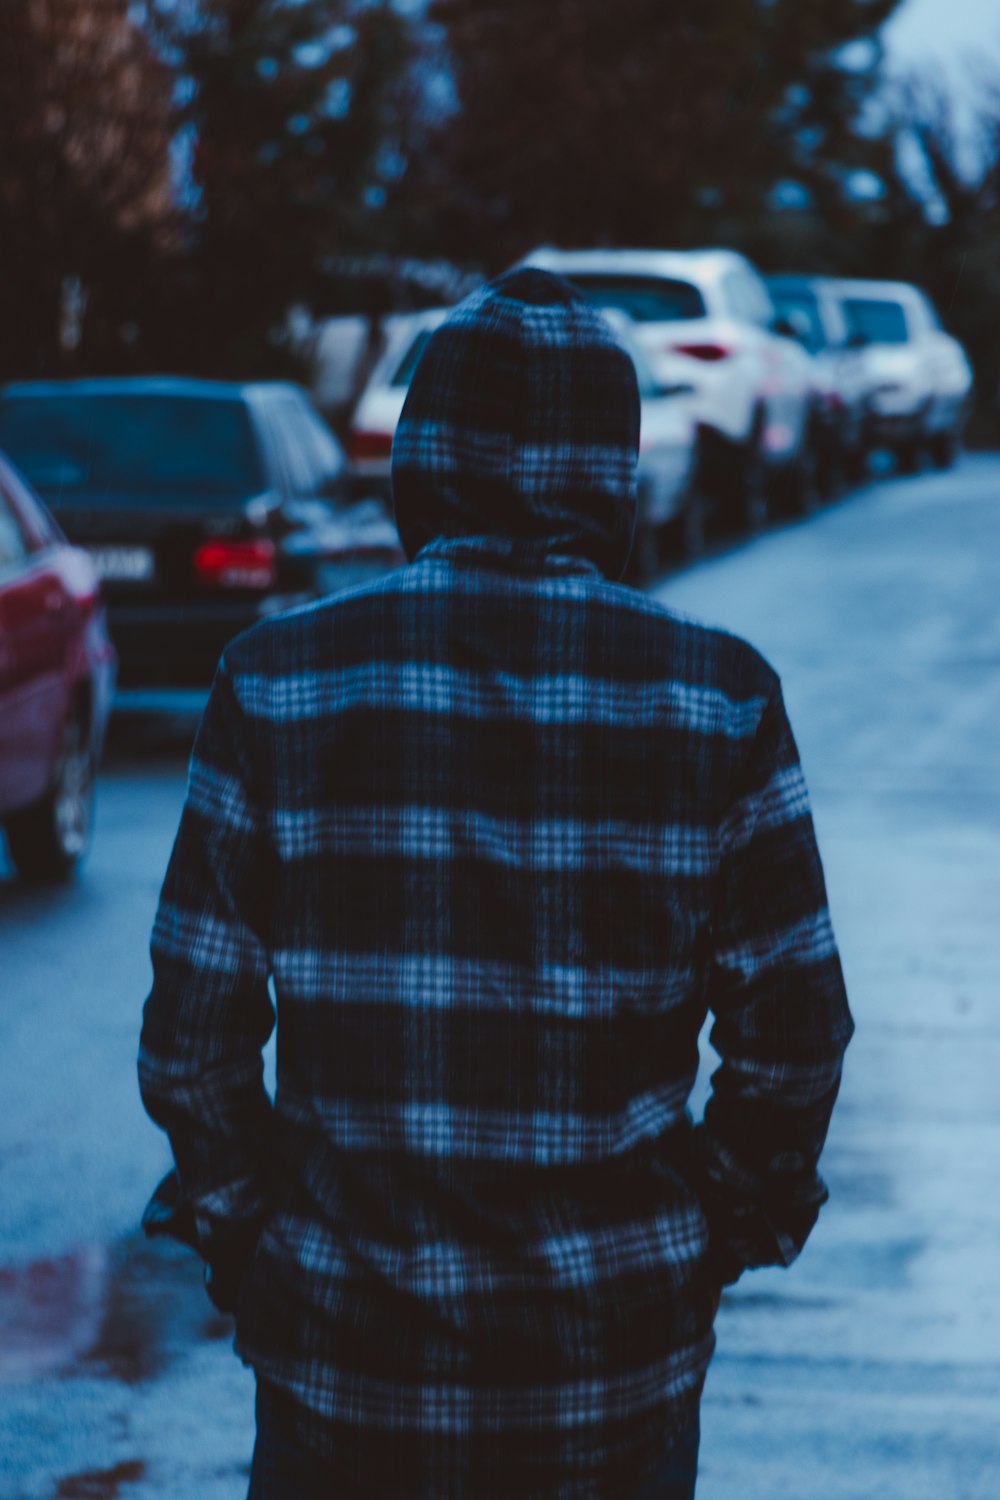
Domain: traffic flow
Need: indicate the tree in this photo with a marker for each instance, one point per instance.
(292, 112)
(85, 181)
(944, 228)
(584, 122)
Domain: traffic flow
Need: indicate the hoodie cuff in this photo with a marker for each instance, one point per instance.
(227, 1253)
(169, 1215)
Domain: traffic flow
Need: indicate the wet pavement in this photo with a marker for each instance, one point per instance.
(872, 1368)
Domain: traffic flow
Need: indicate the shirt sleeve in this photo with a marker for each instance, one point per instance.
(209, 1012)
(781, 1017)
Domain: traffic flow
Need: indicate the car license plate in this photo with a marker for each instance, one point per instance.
(123, 564)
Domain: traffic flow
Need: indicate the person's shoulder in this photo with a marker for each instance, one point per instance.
(299, 639)
(703, 653)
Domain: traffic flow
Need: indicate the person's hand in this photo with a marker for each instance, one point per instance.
(228, 1262)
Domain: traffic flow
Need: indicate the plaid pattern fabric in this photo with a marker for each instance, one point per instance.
(521, 424)
(495, 834)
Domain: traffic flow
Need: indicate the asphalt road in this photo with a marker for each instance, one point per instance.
(872, 1368)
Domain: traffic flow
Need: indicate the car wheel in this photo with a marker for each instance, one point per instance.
(831, 474)
(692, 526)
(754, 499)
(944, 450)
(855, 466)
(910, 457)
(807, 479)
(47, 841)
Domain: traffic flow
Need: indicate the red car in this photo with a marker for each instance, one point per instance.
(57, 674)
(206, 506)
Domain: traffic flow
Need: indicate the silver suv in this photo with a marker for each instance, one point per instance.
(918, 380)
(705, 319)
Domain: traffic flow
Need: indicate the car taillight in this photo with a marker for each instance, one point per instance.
(237, 565)
(710, 353)
(370, 445)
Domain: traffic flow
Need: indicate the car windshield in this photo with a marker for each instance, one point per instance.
(801, 309)
(410, 360)
(645, 299)
(877, 322)
(76, 445)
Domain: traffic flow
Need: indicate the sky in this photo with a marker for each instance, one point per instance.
(955, 43)
(924, 33)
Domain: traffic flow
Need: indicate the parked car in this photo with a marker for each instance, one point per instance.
(670, 503)
(704, 318)
(57, 671)
(373, 424)
(812, 310)
(918, 379)
(204, 506)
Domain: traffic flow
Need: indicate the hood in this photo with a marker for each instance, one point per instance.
(521, 426)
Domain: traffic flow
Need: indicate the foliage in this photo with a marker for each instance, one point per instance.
(946, 234)
(639, 123)
(85, 194)
(292, 110)
(173, 190)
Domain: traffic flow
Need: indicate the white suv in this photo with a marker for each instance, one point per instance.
(918, 379)
(705, 319)
(670, 508)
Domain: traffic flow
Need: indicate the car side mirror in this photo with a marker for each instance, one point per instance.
(856, 340)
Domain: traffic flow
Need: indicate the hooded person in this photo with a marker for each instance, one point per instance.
(520, 430)
(497, 834)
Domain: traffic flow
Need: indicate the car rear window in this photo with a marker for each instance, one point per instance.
(877, 322)
(73, 446)
(645, 299)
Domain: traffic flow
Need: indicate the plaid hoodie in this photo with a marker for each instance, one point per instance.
(495, 834)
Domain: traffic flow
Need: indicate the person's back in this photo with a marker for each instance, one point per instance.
(499, 832)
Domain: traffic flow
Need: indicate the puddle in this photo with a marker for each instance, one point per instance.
(120, 1313)
(154, 1307)
(100, 1484)
(50, 1312)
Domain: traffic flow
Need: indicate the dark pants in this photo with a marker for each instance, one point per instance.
(284, 1470)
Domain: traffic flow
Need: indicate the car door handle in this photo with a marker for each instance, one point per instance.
(55, 603)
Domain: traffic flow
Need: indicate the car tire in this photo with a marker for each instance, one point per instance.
(910, 457)
(854, 466)
(754, 499)
(48, 840)
(692, 525)
(944, 450)
(808, 484)
(831, 475)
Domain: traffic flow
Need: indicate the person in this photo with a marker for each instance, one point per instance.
(495, 834)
